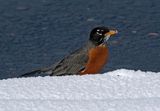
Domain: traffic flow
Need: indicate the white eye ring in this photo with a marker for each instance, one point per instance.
(99, 33)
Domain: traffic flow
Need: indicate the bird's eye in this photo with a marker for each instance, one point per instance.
(98, 30)
(99, 33)
(102, 31)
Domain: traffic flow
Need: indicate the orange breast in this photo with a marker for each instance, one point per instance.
(97, 59)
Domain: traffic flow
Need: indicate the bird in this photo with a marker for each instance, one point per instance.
(89, 59)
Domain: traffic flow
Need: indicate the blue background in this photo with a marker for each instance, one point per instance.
(37, 33)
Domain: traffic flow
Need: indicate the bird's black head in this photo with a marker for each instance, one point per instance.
(100, 35)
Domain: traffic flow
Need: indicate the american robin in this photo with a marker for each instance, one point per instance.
(89, 59)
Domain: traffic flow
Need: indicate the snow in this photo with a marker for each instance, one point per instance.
(119, 90)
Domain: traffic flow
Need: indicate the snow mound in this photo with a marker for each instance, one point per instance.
(119, 90)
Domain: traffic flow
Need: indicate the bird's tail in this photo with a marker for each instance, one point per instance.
(38, 72)
(31, 73)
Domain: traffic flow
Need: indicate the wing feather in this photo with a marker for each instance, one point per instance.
(71, 64)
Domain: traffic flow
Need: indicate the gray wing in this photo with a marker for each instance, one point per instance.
(71, 64)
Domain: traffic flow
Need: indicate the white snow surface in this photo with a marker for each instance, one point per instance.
(119, 90)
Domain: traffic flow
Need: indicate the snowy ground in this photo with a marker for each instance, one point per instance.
(120, 90)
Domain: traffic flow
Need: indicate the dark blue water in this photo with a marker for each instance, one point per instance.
(36, 33)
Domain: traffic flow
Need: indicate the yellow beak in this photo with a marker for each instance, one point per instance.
(111, 32)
